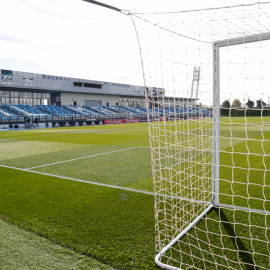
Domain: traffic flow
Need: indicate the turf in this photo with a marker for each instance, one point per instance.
(21, 249)
(114, 226)
(110, 225)
(235, 238)
(117, 226)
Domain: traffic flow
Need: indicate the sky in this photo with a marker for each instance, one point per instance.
(76, 39)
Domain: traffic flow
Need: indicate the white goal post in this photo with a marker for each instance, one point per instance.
(216, 100)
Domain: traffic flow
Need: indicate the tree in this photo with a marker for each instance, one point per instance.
(260, 103)
(250, 103)
(236, 103)
(226, 104)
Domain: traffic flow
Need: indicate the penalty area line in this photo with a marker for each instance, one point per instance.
(232, 207)
(74, 159)
(79, 180)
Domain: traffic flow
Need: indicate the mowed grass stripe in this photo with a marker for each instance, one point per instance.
(80, 180)
(125, 135)
(235, 207)
(111, 225)
(24, 250)
(51, 211)
(56, 154)
(73, 159)
(130, 169)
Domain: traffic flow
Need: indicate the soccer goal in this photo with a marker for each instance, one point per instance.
(210, 150)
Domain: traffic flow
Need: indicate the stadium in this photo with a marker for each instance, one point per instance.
(169, 174)
(55, 100)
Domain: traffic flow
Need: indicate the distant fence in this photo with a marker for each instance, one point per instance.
(77, 117)
(245, 112)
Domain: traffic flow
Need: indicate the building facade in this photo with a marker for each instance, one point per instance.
(20, 88)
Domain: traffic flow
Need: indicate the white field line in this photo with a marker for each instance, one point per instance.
(79, 180)
(74, 159)
(233, 207)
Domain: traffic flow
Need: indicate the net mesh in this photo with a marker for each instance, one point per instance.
(181, 83)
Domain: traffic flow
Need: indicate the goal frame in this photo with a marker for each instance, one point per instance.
(216, 45)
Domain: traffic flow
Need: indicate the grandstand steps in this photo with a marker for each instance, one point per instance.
(5, 113)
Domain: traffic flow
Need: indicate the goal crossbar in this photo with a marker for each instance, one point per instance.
(241, 40)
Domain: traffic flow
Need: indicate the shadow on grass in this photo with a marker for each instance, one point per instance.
(236, 241)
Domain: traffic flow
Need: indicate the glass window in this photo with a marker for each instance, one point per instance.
(78, 84)
(29, 101)
(36, 101)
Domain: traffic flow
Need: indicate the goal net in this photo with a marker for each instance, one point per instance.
(207, 82)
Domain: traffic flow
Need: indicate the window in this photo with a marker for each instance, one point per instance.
(78, 84)
(93, 85)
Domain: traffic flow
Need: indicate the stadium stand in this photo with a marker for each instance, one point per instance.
(27, 110)
(83, 111)
(104, 111)
(7, 116)
(59, 113)
(11, 113)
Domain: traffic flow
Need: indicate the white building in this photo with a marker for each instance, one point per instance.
(19, 88)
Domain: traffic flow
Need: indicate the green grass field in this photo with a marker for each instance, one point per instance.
(21, 249)
(113, 225)
(232, 236)
(88, 189)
